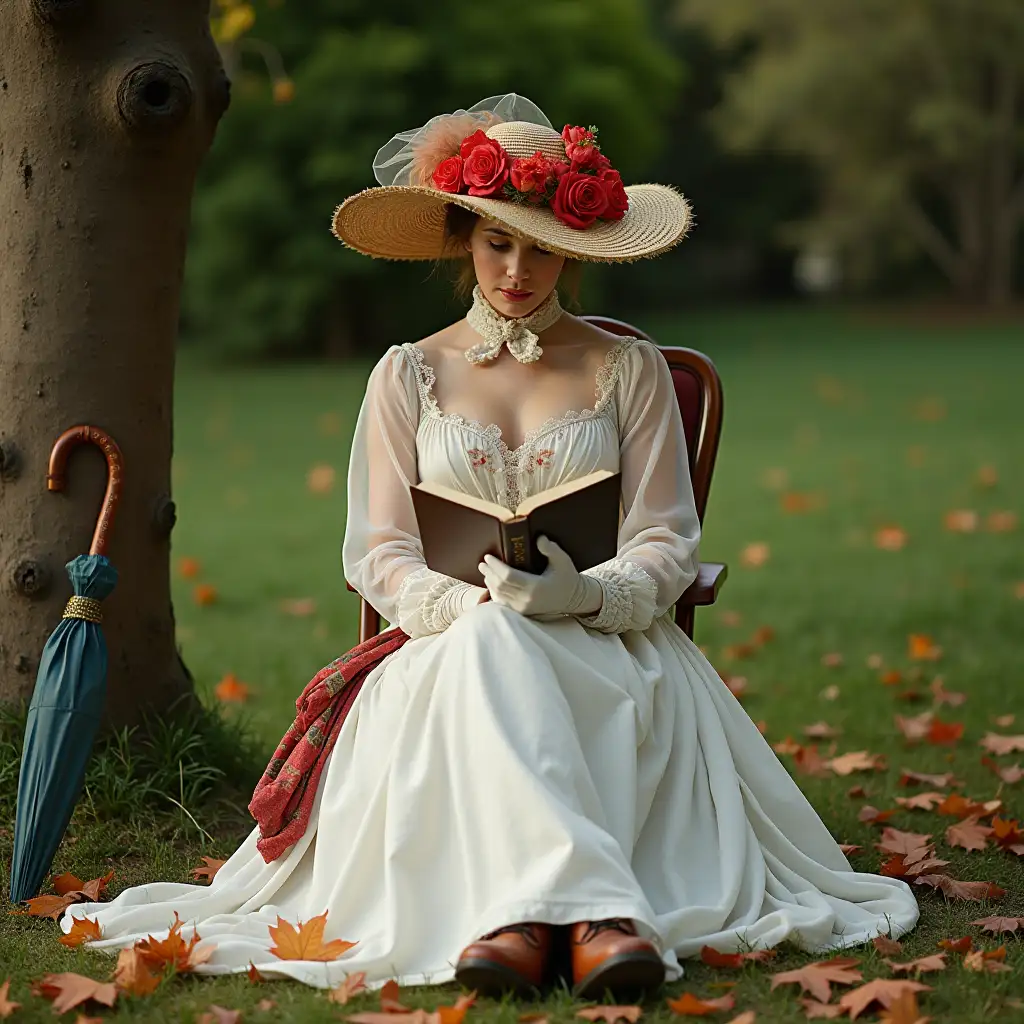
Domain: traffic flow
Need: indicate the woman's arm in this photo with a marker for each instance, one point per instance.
(658, 539)
(382, 554)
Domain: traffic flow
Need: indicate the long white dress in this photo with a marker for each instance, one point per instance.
(500, 768)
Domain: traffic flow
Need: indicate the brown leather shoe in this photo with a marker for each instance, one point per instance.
(512, 957)
(610, 955)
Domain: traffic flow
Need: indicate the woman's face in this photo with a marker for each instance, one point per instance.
(515, 274)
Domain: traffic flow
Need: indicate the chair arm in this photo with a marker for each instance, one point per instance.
(704, 589)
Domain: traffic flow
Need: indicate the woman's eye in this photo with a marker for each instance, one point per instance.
(500, 246)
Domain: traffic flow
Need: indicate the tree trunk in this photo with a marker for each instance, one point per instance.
(106, 110)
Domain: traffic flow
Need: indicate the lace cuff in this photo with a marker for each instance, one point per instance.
(630, 597)
(429, 602)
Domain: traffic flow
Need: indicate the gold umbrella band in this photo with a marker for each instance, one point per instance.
(87, 608)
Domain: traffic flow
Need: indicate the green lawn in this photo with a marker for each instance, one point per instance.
(879, 422)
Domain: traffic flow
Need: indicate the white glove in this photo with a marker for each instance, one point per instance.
(558, 590)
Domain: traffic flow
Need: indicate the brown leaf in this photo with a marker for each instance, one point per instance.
(230, 688)
(880, 990)
(961, 890)
(689, 1005)
(254, 975)
(858, 792)
(957, 945)
(352, 984)
(830, 692)
(173, 950)
(746, 1017)
(895, 840)
(67, 883)
(873, 816)
(611, 1013)
(890, 947)
(6, 1006)
(1010, 773)
(996, 924)
(209, 869)
(265, 1005)
(968, 834)
(133, 976)
(903, 1010)
(821, 730)
(753, 556)
(915, 727)
(83, 929)
(832, 659)
(218, 1015)
(204, 594)
(994, 743)
(856, 761)
(809, 761)
(986, 960)
(1005, 832)
(921, 801)
(890, 538)
(935, 962)
(306, 943)
(815, 977)
(944, 732)
(49, 906)
(299, 607)
(70, 990)
(921, 647)
(389, 1001)
(814, 1009)
(961, 520)
(943, 696)
(1003, 521)
(380, 1017)
(912, 778)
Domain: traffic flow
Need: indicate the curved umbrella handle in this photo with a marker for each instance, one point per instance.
(72, 438)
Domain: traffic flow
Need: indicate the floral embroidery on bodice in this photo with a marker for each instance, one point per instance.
(473, 457)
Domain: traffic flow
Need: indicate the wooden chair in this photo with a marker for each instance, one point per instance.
(699, 393)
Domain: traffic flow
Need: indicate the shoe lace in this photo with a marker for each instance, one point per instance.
(594, 928)
(527, 930)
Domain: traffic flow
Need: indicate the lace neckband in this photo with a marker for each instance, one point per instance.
(519, 333)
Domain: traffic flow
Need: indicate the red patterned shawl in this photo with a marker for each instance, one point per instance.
(283, 799)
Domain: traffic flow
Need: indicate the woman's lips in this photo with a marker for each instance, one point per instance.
(515, 296)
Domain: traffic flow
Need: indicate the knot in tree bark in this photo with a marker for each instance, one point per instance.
(154, 98)
(31, 578)
(10, 462)
(164, 516)
(55, 12)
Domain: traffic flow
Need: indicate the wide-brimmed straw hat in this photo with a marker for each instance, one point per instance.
(404, 217)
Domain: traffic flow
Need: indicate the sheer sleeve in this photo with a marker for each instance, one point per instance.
(381, 554)
(658, 539)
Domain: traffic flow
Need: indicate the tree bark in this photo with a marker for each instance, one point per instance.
(106, 110)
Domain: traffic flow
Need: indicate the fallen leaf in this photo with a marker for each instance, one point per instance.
(231, 688)
(218, 1015)
(173, 950)
(253, 974)
(83, 929)
(921, 801)
(958, 806)
(1018, 590)
(916, 727)
(987, 476)
(611, 1013)
(921, 647)
(300, 607)
(67, 883)
(821, 730)
(849, 848)
(1004, 721)
(891, 677)
(961, 890)
(810, 762)
(944, 732)
(352, 984)
(881, 990)
(903, 1010)
(714, 958)
(1001, 522)
(930, 409)
(1006, 833)
(833, 659)
(997, 925)
(872, 815)
(815, 1009)
(204, 594)
(895, 840)
(266, 1004)
(189, 568)
(132, 975)
(857, 792)
(944, 696)
(747, 1017)
(799, 502)
(986, 960)
(753, 556)
(815, 977)
(6, 1006)
(934, 962)
(389, 1001)
(689, 1005)
(912, 778)
(997, 744)
(70, 990)
(856, 761)
(887, 946)
(49, 906)
(209, 869)
(1010, 773)
(320, 479)
(968, 834)
(961, 520)
(306, 943)
(890, 538)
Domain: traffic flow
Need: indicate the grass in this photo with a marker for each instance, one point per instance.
(882, 423)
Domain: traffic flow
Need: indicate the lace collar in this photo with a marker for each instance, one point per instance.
(519, 333)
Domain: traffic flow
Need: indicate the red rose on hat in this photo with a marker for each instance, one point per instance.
(589, 158)
(580, 199)
(618, 201)
(575, 139)
(448, 175)
(535, 174)
(485, 165)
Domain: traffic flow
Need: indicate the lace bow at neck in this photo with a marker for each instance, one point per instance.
(518, 333)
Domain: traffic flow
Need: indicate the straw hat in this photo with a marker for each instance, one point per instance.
(403, 218)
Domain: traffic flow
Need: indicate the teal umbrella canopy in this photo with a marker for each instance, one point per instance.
(63, 718)
(71, 686)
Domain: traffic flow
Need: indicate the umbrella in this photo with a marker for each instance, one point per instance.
(71, 685)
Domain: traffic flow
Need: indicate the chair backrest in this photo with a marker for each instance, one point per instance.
(699, 393)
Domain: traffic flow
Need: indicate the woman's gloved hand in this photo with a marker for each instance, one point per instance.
(559, 590)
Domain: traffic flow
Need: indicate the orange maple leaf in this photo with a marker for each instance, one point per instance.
(69, 990)
(944, 732)
(856, 761)
(961, 520)
(903, 1010)
(306, 942)
(689, 1005)
(986, 960)
(1006, 832)
(320, 479)
(873, 816)
(209, 869)
(957, 945)
(389, 1001)
(968, 834)
(815, 978)
(754, 555)
(714, 958)
(934, 962)
(961, 890)
(173, 950)
(6, 1006)
(131, 974)
(994, 743)
(922, 647)
(886, 945)
(881, 990)
(890, 538)
(611, 1013)
(815, 1009)
(83, 929)
(188, 568)
(921, 801)
(912, 778)
(204, 594)
(231, 689)
(996, 925)
(254, 975)
(352, 984)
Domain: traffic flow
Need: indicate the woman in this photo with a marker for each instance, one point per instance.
(548, 763)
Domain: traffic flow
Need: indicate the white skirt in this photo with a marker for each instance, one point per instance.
(511, 769)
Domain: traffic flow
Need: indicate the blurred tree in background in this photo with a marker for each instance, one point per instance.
(913, 114)
(264, 275)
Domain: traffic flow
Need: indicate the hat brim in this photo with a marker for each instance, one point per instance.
(406, 222)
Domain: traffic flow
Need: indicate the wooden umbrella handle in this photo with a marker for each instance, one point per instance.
(55, 477)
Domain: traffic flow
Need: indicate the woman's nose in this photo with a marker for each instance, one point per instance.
(516, 268)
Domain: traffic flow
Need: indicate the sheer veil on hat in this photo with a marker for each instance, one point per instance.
(404, 217)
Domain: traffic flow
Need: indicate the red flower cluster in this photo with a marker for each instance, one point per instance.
(579, 191)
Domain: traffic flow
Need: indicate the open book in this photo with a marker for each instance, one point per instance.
(457, 530)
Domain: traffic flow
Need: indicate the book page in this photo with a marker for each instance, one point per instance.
(490, 508)
(527, 505)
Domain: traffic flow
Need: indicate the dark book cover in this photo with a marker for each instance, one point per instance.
(457, 530)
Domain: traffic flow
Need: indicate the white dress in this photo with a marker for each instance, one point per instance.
(500, 768)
